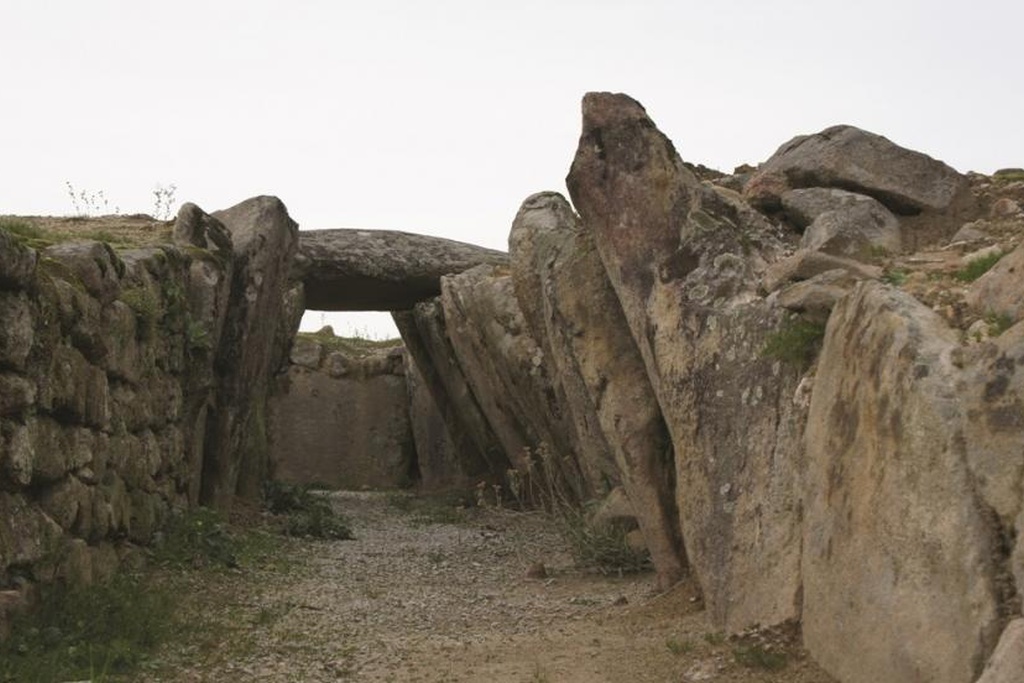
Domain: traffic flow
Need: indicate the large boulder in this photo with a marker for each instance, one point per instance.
(17, 262)
(685, 262)
(849, 158)
(998, 292)
(598, 364)
(251, 347)
(379, 270)
(842, 223)
(899, 568)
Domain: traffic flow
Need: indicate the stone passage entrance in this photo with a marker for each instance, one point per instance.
(351, 413)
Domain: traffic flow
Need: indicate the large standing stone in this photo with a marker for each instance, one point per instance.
(898, 556)
(849, 158)
(250, 349)
(604, 376)
(685, 262)
(437, 461)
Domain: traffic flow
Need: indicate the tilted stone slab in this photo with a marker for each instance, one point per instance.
(379, 270)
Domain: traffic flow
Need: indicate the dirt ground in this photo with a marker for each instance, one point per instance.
(417, 598)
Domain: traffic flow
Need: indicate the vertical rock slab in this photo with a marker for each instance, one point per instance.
(437, 456)
(898, 568)
(684, 261)
(479, 451)
(602, 372)
(264, 240)
(508, 372)
(543, 219)
(344, 422)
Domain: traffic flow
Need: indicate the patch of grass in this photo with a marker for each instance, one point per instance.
(88, 633)
(306, 514)
(22, 229)
(352, 346)
(197, 538)
(758, 657)
(714, 638)
(978, 267)
(679, 648)
(998, 323)
(603, 547)
(1009, 175)
(896, 277)
(796, 341)
(148, 308)
(444, 508)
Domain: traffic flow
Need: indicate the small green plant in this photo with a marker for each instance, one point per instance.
(714, 638)
(998, 323)
(88, 632)
(896, 277)
(197, 538)
(796, 341)
(442, 508)
(148, 307)
(759, 657)
(678, 647)
(978, 267)
(306, 513)
(603, 547)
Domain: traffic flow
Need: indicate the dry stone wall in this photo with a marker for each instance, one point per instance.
(121, 382)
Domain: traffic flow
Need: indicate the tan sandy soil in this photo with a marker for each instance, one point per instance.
(414, 600)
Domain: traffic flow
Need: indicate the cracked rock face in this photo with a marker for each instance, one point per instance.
(685, 262)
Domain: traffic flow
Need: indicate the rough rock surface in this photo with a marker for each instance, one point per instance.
(892, 523)
(379, 270)
(849, 158)
(257, 331)
(542, 220)
(347, 431)
(998, 291)
(842, 223)
(508, 373)
(424, 332)
(598, 363)
(685, 261)
(437, 456)
(1007, 662)
(17, 262)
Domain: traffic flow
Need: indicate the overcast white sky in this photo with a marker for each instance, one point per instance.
(440, 117)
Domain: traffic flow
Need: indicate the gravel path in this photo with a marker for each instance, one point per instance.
(415, 600)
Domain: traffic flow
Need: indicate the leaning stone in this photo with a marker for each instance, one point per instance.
(1006, 665)
(195, 227)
